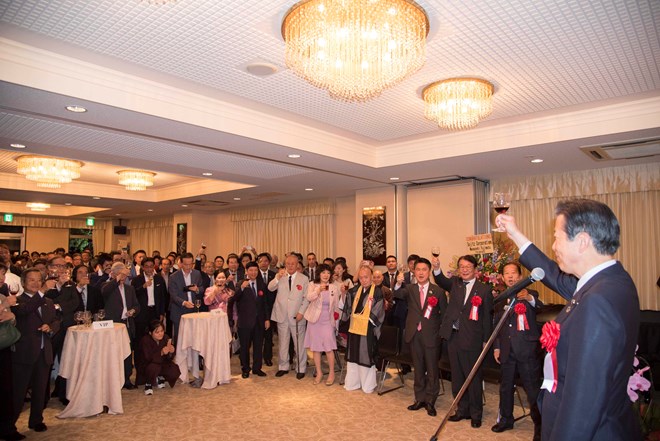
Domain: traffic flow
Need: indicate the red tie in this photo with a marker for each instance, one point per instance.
(421, 302)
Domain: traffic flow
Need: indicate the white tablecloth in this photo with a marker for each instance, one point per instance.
(93, 364)
(209, 334)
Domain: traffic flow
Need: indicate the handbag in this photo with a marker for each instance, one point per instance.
(8, 335)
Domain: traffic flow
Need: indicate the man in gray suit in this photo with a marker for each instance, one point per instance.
(121, 306)
(184, 290)
(290, 305)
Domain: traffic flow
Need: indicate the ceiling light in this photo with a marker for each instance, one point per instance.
(37, 206)
(293, 156)
(207, 174)
(458, 103)
(17, 146)
(117, 214)
(150, 209)
(309, 189)
(394, 178)
(237, 199)
(68, 204)
(76, 109)
(136, 180)
(96, 198)
(48, 172)
(355, 49)
(536, 161)
(184, 205)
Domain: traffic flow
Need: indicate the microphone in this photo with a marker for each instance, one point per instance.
(536, 275)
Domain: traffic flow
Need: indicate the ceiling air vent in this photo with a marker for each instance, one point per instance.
(206, 203)
(624, 150)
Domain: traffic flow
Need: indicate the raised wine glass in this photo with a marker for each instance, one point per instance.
(501, 204)
(435, 251)
(13, 288)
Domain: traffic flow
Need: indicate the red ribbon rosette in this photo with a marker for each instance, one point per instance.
(474, 311)
(299, 287)
(549, 340)
(432, 302)
(521, 320)
(550, 335)
(476, 301)
(336, 315)
(261, 293)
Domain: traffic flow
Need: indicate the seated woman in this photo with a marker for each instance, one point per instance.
(320, 315)
(154, 359)
(217, 296)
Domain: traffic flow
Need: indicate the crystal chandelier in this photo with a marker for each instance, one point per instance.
(37, 206)
(48, 172)
(458, 103)
(136, 180)
(355, 48)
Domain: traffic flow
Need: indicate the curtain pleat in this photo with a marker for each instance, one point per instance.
(152, 234)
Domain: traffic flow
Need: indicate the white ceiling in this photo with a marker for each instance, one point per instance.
(167, 91)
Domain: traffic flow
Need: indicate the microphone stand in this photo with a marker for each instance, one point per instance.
(475, 368)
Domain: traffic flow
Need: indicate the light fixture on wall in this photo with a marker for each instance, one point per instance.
(48, 172)
(355, 49)
(458, 103)
(136, 180)
(37, 206)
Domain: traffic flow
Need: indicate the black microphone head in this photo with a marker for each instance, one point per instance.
(537, 274)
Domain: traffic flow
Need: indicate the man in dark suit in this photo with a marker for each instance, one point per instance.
(90, 298)
(151, 294)
(516, 349)
(587, 400)
(427, 304)
(121, 306)
(234, 271)
(184, 289)
(266, 275)
(37, 322)
(104, 263)
(253, 319)
(312, 265)
(466, 327)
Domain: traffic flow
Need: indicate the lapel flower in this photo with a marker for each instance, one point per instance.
(336, 315)
(432, 301)
(299, 287)
(476, 301)
(520, 308)
(260, 293)
(550, 335)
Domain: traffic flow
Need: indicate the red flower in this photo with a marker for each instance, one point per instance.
(433, 301)
(520, 308)
(485, 259)
(476, 301)
(299, 287)
(550, 335)
(336, 315)
(261, 293)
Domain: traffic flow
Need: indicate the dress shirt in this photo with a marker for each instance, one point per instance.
(122, 292)
(187, 281)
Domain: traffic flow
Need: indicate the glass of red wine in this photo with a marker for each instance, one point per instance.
(501, 204)
(435, 251)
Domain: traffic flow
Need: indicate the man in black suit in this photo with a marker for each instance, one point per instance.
(597, 330)
(121, 306)
(253, 319)
(235, 272)
(312, 265)
(266, 275)
(151, 294)
(98, 278)
(427, 304)
(37, 322)
(516, 349)
(89, 296)
(466, 327)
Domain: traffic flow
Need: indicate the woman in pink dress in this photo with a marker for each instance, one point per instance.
(217, 296)
(323, 296)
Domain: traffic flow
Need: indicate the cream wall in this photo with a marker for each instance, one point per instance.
(46, 239)
(345, 233)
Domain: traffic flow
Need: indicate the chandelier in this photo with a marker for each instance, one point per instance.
(37, 206)
(357, 48)
(458, 103)
(136, 180)
(48, 172)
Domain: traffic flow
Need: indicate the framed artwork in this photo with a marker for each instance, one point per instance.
(181, 238)
(374, 246)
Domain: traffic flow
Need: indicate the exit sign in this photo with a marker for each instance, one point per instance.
(9, 218)
(90, 221)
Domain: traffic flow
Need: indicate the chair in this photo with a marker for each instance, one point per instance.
(389, 350)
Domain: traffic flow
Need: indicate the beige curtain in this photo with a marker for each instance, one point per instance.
(98, 235)
(302, 227)
(151, 234)
(47, 222)
(632, 192)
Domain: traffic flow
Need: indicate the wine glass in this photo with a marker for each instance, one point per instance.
(198, 303)
(501, 204)
(101, 314)
(13, 288)
(77, 316)
(435, 251)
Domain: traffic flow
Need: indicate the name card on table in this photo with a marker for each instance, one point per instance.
(103, 324)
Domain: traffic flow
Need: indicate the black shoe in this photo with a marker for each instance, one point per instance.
(405, 369)
(456, 417)
(430, 409)
(268, 363)
(130, 386)
(501, 427)
(476, 424)
(300, 375)
(260, 373)
(39, 427)
(281, 373)
(416, 405)
(245, 375)
(15, 436)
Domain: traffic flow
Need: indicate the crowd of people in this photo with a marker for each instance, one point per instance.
(310, 305)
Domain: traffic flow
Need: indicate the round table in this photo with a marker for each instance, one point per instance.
(209, 334)
(93, 363)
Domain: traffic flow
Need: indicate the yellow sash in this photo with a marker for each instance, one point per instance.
(360, 322)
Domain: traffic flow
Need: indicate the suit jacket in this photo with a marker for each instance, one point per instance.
(313, 311)
(28, 320)
(306, 272)
(289, 302)
(416, 311)
(270, 295)
(98, 281)
(178, 293)
(252, 307)
(525, 344)
(240, 275)
(68, 299)
(94, 299)
(596, 347)
(386, 279)
(114, 306)
(473, 333)
(160, 295)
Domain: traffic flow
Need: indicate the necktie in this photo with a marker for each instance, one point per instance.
(421, 302)
(467, 293)
(311, 273)
(392, 282)
(289, 282)
(265, 276)
(254, 290)
(465, 284)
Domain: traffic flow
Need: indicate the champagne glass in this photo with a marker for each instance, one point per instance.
(501, 204)
(198, 303)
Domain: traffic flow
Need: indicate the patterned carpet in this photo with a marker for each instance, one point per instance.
(271, 408)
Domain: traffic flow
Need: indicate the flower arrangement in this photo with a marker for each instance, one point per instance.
(490, 265)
